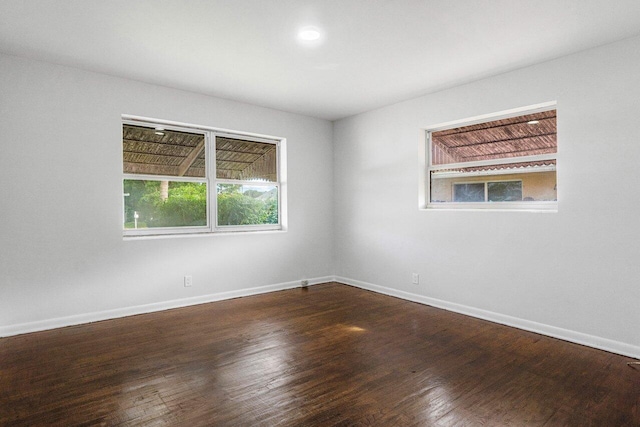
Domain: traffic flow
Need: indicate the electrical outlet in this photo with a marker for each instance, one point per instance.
(415, 278)
(188, 281)
(304, 283)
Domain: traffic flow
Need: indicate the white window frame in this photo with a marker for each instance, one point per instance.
(211, 180)
(427, 166)
(261, 227)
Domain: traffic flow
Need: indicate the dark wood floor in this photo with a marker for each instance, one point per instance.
(323, 356)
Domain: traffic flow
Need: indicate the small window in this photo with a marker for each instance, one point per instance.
(508, 163)
(182, 180)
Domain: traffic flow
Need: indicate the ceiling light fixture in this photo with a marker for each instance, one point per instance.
(533, 122)
(309, 34)
(159, 131)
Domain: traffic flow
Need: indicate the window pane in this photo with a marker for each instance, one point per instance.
(247, 204)
(246, 160)
(468, 192)
(150, 204)
(505, 191)
(150, 151)
(528, 135)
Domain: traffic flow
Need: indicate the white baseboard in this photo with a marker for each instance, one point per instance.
(43, 325)
(540, 328)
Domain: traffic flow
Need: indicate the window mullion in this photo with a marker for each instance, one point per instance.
(210, 168)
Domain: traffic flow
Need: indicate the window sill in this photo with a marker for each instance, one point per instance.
(200, 234)
(550, 207)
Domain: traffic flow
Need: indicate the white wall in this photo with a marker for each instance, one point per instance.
(574, 273)
(62, 251)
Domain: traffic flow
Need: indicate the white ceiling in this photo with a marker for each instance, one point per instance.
(373, 52)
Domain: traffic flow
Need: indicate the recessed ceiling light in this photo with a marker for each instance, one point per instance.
(309, 34)
(533, 122)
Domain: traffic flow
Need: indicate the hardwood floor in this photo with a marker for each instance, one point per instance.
(323, 356)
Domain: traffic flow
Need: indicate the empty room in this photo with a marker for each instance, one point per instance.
(320, 213)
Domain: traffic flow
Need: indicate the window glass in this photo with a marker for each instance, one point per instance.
(468, 192)
(157, 151)
(247, 204)
(504, 191)
(245, 160)
(150, 203)
(528, 135)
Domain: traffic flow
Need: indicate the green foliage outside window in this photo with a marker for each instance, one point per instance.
(186, 205)
(250, 207)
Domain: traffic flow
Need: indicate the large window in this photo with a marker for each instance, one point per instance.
(185, 180)
(508, 163)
